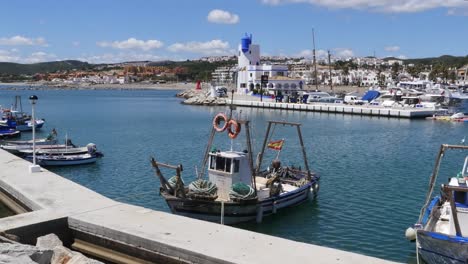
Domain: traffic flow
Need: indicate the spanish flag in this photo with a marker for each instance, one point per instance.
(276, 145)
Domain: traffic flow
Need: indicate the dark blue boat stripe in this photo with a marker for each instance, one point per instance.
(445, 256)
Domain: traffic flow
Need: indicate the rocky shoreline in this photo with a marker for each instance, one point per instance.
(201, 97)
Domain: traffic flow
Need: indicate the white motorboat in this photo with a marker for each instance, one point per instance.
(64, 160)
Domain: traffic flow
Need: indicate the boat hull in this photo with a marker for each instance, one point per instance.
(237, 212)
(28, 126)
(440, 248)
(64, 160)
(9, 134)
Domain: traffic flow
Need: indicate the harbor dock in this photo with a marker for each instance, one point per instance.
(122, 233)
(406, 112)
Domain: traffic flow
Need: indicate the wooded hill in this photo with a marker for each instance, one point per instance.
(195, 69)
(7, 68)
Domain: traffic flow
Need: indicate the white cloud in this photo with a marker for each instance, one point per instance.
(319, 54)
(222, 17)
(390, 6)
(39, 56)
(343, 53)
(402, 57)
(213, 47)
(458, 12)
(392, 48)
(22, 41)
(119, 57)
(14, 56)
(133, 43)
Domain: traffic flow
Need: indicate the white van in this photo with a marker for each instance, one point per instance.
(352, 99)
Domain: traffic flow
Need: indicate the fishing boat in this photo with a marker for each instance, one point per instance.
(9, 133)
(441, 232)
(68, 160)
(15, 118)
(20, 121)
(235, 190)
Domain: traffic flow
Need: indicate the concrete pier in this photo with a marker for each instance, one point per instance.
(407, 112)
(123, 233)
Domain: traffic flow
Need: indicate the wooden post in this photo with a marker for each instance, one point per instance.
(164, 184)
(449, 192)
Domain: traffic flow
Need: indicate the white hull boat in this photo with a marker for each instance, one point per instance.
(441, 232)
(64, 160)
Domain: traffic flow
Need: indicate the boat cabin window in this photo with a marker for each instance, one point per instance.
(223, 164)
(212, 162)
(236, 166)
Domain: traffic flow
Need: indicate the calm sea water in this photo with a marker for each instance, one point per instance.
(374, 170)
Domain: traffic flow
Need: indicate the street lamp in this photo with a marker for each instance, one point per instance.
(34, 167)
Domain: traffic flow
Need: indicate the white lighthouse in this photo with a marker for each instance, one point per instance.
(250, 71)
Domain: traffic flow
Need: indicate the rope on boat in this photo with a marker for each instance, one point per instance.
(173, 182)
(241, 191)
(301, 182)
(203, 189)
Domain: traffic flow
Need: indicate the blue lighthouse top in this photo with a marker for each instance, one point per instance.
(245, 42)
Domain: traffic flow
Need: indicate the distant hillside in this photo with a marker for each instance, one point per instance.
(448, 60)
(43, 67)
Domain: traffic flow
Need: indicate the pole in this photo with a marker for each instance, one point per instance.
(261, 92)
(315, 62)
(34, 134)
(329, 67)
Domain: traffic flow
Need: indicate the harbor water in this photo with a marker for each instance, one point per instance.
(374, 171)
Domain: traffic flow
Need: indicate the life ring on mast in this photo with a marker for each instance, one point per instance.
(234, 128)
(217, 121)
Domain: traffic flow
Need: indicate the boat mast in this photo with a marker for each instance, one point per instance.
(315, 61)
(330, 70)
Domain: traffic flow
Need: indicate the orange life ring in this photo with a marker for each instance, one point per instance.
(237, 128)
(217, 120)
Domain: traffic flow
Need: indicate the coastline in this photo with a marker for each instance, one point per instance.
(149, 86)
(87, 86)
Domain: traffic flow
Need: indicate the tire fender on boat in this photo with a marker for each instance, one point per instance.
(233, 132)
(221, 117)
(315, 188)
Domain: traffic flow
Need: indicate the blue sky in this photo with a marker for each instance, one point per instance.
(115, 31)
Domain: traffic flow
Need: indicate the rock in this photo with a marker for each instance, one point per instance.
(38, 255)
(80, 259)
(48, 241)
(5, 259)
(61, 255)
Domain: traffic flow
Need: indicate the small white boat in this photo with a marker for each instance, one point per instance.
(441, 232)
(41, 141)
(64, 160)
(15, 148)
(90, 148)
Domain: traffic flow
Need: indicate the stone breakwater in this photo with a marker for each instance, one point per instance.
(48, 249)
(200, 97)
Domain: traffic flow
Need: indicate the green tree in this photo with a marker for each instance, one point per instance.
(395, 70)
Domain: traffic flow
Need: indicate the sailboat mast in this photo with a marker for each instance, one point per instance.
(315, 61)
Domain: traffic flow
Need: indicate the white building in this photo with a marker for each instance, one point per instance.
(251, 70)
